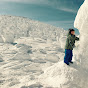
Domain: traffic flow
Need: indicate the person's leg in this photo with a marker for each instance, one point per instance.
(67, 56)
(71, 55)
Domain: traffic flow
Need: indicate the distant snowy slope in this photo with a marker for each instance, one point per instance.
(12, 27)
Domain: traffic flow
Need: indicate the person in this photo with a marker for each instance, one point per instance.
(70, 44)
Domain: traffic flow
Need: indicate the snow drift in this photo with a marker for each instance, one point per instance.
(75, 76)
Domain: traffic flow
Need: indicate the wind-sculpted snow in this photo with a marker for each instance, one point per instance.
(27, 48)
(74, 76)
(21, 64)
(12, 27)
(31, 54)
(81, 23)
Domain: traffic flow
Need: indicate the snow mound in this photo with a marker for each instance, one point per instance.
(81, 22)
(12, 27)
(74, 76)
(63, 76)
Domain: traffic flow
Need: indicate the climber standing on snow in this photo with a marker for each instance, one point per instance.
(70, 44)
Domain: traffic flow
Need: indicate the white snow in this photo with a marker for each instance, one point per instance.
(74, 76)
(81, 23)
(27, 48)
(36, 60)
(13, 27)
(63, 76)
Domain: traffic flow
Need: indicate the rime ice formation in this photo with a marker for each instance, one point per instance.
(74, 76)
(27, 48)
(12, 27)
(81, 23)
(32, 62)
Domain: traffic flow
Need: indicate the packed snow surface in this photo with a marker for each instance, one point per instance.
(27, 48)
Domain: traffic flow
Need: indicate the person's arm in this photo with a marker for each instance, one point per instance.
(76, 38)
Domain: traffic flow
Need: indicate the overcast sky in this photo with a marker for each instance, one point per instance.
(59, 13)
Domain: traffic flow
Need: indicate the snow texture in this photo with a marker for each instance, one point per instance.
(27, 48)
(12, 27)
(74, 76)
(81, 23)
(32, 53)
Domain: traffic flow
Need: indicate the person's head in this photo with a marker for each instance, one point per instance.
(71, 31)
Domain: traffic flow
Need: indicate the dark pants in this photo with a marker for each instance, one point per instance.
(68, 56)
